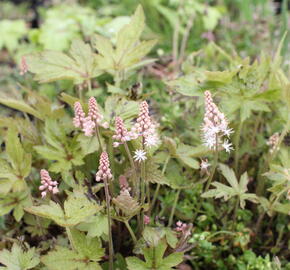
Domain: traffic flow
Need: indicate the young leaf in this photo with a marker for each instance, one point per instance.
(154, 259)
(17, 259)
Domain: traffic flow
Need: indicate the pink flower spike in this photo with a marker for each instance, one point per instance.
(104, 172)
(215, 125)
(94, 112)
(23, 66)
(47, 185)
(79, 118)
(145, 127)
(121, 133)
(146, 219)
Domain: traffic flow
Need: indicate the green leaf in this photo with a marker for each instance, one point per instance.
(95, 226)
(64, 258)
(88, 247)
(11, 31)
(20, 106)
(229, 174)
(136, 264)
(154, 259)
(20, 161)
(186, 153)
(17, 259)
(130, 33)
(15, 200)
(76, 209)
(79, 65)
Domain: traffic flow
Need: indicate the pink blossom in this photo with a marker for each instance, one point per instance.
(273, 141)
(145, 127)
(23, 66)
(47, 185)
(181, 227)
(121, 133)
(215, 126)
(146, 220)
(94, 118)
(79, 118)
(104, 172)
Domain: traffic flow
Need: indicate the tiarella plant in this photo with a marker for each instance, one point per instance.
(109, 175)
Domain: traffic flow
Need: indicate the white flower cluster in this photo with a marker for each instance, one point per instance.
(215, 126)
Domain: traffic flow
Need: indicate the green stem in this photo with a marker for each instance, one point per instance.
(215, 162)
(237, 146)
(214, 166)
(130, 231)
(158, 185)
(89, 83)
(69, 235)
(111, 249)
(236, 210)
(142, 193)
(173, 208)
(135, 181)
(99, 138)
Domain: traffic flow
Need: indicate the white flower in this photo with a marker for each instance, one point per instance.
(204, 164)
(227, 146)
(151, 140)
(228, 131)
(140, 155)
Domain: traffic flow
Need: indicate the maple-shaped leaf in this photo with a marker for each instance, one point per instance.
(76, 209)
(236, 189)
(17, 259)
(64, 258)
(79, 65)
(128, 50)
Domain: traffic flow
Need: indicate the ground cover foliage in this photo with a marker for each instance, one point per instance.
(149, 135)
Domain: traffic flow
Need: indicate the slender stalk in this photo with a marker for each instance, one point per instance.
(130, 231)
(185, 37)
(99, 137)
(68, 232)
(173, 208)
(89, 83)
(215, 162)
(135, 181)
(214, 166)
(111, 249)
(237, 146)
(236, 209)
(158, 185)
(142, 193)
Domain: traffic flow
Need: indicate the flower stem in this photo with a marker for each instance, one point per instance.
(214, 166)
(237, 146)
(236, 210)
(158, 185)
(173, 208)
(99, 138)
(142, 192)
(111, 249)
(130, 231)
(135, 181)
